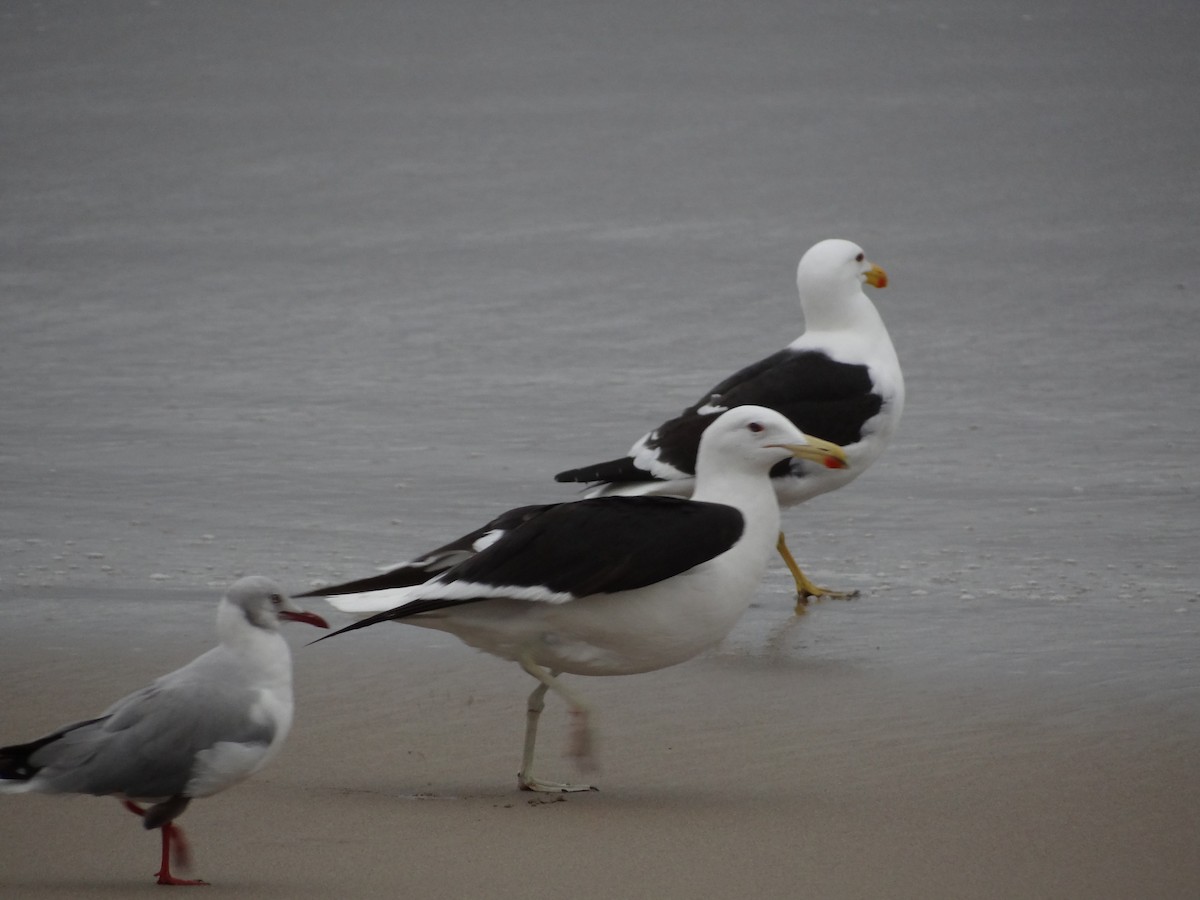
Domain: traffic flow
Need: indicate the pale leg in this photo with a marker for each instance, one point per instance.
(580, 733)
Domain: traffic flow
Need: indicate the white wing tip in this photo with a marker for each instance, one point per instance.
(367, 602)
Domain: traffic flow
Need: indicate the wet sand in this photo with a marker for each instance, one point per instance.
(304, 294)
(770, 770)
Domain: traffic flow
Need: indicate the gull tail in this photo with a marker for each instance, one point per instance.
(18, 769)
(412, 608)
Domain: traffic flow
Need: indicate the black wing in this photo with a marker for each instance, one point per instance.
(606, 545)
(577, 549)
(435, 562)
(822, 397)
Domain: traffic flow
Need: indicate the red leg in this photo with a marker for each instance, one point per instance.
(182, 856)
(182, 851)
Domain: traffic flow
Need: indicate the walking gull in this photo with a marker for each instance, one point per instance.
(189, 734)
(611, 586)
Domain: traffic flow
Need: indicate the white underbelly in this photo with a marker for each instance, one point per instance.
(608, 634)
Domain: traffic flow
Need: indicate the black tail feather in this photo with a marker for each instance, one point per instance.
(612, 472)
(16, 761)
(404, 576)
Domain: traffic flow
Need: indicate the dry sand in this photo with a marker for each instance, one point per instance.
(304, 290)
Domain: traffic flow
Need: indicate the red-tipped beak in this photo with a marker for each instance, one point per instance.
(818, 451)
(876, 277)
(306, 617)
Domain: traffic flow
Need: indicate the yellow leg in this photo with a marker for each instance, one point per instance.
(804, 587)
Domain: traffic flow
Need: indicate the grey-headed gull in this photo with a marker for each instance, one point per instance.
(189, 734)
(839, 380)
(612, 586)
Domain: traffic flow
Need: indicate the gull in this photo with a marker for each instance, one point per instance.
(839, 380)
(191, 733)
(613, 586)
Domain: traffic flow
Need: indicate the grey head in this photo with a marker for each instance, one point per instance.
(264, 603)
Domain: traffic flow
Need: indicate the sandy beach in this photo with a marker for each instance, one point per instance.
(305, 291)
(783, 766)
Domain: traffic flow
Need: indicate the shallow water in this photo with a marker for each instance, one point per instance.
(306, 299)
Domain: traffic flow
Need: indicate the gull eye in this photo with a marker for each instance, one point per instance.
(859, 258)
(756, 427)
(276, 599)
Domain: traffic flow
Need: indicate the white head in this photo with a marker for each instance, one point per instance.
(263, 603)
(830, 279)
(754, 438)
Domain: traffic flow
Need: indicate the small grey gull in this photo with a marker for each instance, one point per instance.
(840, 380)
(611, 586)
(189, 734)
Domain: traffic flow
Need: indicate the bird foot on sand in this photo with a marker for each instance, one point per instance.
(552, 787)
(168, 878)
(816, 593)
